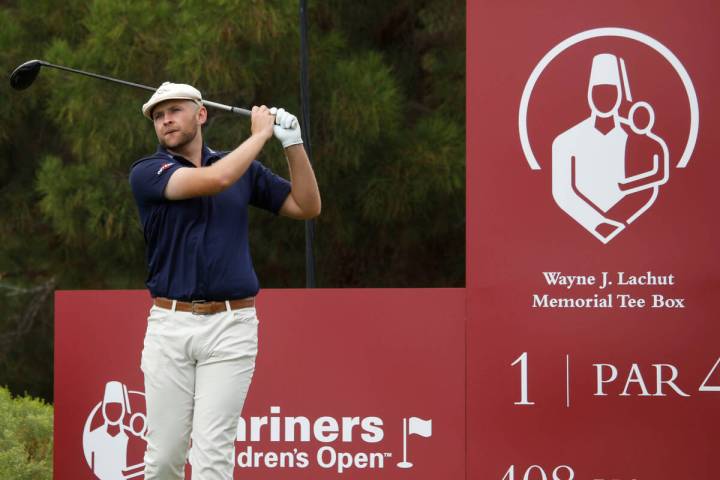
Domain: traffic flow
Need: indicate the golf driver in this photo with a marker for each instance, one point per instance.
(24, 75)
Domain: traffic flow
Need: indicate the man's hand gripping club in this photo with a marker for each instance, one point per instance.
(287, 128)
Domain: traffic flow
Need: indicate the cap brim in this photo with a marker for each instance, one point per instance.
(148, 107)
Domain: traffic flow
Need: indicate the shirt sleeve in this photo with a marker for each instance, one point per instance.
(148, 179)
(269, 191)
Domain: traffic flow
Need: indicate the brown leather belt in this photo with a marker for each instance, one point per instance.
(203, 307)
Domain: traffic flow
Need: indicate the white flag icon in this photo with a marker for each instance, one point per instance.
(420, 427)
(417, 426)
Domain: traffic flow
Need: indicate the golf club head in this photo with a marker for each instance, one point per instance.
(24, 75)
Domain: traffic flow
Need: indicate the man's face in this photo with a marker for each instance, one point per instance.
(113, 412)
(604, 99)
(177, 122)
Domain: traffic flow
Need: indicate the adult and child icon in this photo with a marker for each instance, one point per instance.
(607, 169)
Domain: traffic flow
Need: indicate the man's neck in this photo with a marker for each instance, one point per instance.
(605, 124)
(191, 151)
(113, 430)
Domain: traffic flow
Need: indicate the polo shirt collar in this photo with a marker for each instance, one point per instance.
(208, 155)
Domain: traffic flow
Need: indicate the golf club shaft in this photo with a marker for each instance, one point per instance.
(219, 106)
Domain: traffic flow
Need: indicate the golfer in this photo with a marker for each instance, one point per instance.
(201, 339)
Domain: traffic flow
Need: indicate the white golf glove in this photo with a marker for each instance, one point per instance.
(287, 128)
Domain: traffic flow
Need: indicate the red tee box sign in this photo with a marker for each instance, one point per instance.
(592, 240)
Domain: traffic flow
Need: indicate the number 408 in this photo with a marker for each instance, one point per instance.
(563, 472)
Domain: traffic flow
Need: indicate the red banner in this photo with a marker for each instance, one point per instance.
(592, 253)
(374, 379)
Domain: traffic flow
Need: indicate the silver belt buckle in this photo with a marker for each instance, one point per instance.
(197, 302)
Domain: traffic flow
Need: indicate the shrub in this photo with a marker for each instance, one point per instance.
(26, 437)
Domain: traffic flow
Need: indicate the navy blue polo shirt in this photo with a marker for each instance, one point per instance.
(197, 249)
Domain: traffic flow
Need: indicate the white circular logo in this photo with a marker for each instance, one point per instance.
(611, 146)
(114, 434)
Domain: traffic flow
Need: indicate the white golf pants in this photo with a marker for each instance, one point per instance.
(197, 374)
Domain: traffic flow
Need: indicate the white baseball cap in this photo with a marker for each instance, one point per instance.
(171, 91)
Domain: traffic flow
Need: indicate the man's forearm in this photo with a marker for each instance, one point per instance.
(197, 182)
(305, 190)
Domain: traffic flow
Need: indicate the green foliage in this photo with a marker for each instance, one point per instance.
(361, 117)
(387, 129)
(26, 438)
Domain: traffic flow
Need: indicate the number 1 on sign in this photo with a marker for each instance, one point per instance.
(523, 361)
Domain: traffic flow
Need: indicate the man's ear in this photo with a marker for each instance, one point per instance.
(202, 115)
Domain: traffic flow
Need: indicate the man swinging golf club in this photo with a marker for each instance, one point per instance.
(201, 340)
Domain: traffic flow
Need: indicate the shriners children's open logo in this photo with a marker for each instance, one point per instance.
(114, 439)
(611, 112)
(344, 444)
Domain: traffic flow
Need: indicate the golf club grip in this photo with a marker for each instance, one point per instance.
(227, 108)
